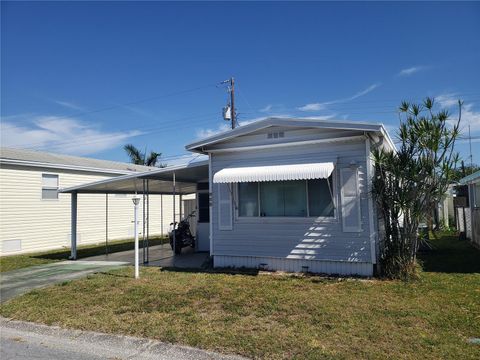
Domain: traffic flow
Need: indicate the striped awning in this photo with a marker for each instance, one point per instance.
(274, 173)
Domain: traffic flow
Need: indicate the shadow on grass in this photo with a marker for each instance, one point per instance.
(94, 250)
(211, 270)
(450, 255)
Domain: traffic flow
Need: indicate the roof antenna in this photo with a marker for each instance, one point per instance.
(470, 143)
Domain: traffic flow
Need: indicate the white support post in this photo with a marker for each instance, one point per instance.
(371, 206)
(210, 202)
(180, 199)
(174, 218)
(161, 215)
(73, 227)
(143, 222)
(136, 201)
(106, 224)
(148, 221)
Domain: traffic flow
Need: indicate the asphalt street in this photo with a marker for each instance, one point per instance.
(21, 340)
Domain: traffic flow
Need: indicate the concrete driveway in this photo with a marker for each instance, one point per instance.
(17, 282)
(159, 255)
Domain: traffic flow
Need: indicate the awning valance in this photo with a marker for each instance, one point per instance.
(274, 173)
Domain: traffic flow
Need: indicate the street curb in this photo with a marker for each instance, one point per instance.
(104, 345)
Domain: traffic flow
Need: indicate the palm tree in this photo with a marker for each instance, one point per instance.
(136, 156)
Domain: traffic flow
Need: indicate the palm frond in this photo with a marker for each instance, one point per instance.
(152, 159)
(134, 154)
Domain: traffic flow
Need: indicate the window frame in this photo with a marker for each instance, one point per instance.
(308, 218)
(49, 187)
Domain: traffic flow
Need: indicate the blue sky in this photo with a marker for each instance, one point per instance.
(85, 78)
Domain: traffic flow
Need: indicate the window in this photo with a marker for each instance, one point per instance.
(49, 186)
(320, 198)
(203, 207)
(298, 198)
(248, 193)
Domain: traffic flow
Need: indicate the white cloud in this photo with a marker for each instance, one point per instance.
(324, 105)
(469, 115)
(267, 108)
(320, 117)
(410, 71)
(204, 133)
(361, 93)
(184, 159)
(69, 105)
(56, 134)
(313, 107)
(447, 100)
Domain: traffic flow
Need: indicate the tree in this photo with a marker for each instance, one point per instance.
(409, 182)
(464, 170)
(136, 156)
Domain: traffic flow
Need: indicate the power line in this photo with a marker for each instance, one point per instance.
(136, 102)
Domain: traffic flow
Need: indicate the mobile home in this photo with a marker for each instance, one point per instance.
(279, 194)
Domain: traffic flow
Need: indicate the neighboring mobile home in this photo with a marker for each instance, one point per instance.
(280, 194)
(472, 212)
(35, 217)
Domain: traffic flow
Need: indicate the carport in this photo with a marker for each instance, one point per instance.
(177, 180)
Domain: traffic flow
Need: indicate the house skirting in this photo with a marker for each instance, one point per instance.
(295, 265)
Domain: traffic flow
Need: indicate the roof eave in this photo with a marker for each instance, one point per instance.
(134, 176)
(199, 146)
(64, 167)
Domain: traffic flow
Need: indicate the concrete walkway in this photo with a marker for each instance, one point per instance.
(22, 340)
(17, 282)
(159, 255)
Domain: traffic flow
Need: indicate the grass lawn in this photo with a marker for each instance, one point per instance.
(280, 316)
(14, 262)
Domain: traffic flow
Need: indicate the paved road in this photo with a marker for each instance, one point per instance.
(17, 282)
(21, 340)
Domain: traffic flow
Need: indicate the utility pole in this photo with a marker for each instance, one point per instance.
(229, 110)
(232, 100)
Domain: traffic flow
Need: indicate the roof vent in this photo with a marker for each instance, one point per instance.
(276, 135)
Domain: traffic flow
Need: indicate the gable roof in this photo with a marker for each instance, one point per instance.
(44, 159)
(290, 122)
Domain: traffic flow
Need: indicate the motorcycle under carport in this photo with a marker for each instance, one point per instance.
(183, 235)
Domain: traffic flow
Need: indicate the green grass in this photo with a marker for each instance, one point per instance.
(275, 316)
(15, 262)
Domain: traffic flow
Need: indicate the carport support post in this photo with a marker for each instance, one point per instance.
(73, 228)
(136, 201)
(143, 222)
(173, 231)
(181, 206)
(148, 221)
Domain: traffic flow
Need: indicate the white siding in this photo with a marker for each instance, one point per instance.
(45, 224)
(302, 239)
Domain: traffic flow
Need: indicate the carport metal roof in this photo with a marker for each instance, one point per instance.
(161, 181)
